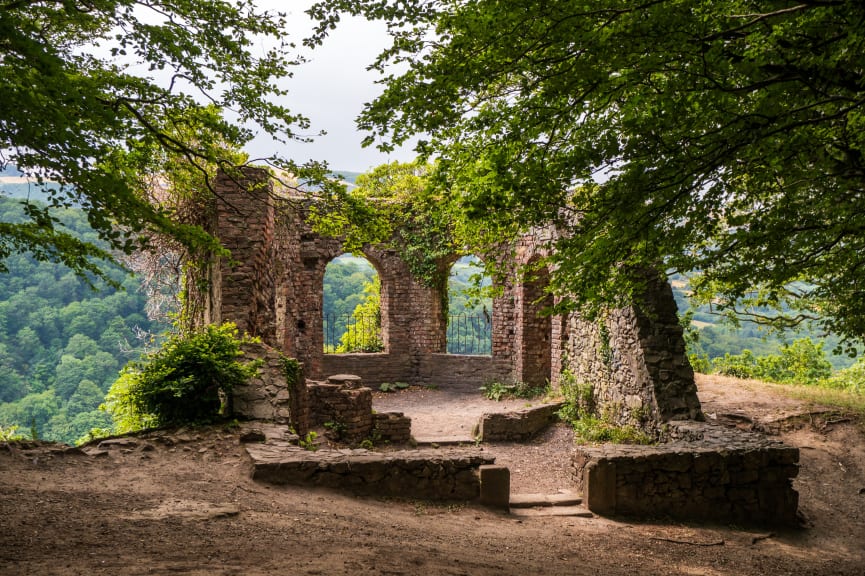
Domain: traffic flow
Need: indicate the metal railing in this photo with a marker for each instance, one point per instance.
(469, 334)
(350, 333)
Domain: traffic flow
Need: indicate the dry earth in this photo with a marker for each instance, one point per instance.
(183, 503)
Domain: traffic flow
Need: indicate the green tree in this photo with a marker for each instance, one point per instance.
(100, 97)
(721, 137)
(363, 334)
(86, 398)
(32, 410)
(394, 205)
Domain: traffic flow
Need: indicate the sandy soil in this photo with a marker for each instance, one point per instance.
(181, 502)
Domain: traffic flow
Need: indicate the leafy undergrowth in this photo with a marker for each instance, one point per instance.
(590, 429)
(499, 390)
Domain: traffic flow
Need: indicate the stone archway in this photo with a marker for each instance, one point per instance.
(272, 288)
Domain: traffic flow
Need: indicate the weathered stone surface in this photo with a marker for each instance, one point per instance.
(495, 486)
(725, 475)
(345, 408)
(429, 474)
(393, 427)
(519, 425)
(269, 396)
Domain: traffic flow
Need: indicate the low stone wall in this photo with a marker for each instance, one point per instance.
(441, 370)
(393, 427)
(519, 425)
(720, 475)
(427, 474)
(346, 408)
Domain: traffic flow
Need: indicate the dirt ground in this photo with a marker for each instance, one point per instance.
(183, 503)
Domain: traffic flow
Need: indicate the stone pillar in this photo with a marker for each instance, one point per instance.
(243, 285)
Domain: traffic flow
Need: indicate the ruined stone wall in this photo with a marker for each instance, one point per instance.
(243, 221)
(442, 370)
(635, 360)
(518, 425)
(425, 474)
(273, 287)
(270, 395)
(391, 427)
(346, 408)
(719, 474)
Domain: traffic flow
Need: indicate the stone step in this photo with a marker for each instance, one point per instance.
(571, 511)
(545, 500)
(436, 441)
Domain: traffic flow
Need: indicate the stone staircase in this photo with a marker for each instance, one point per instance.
(561, 504)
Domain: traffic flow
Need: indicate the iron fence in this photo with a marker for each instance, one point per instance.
(469, 334)
(352, 333)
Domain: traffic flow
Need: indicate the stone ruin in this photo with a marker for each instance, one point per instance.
(272, 287)
(635, 360)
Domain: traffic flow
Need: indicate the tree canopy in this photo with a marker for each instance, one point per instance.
(723, 138)
(103, 96)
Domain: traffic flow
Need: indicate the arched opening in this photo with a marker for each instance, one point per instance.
(351, 306)
(470, 308)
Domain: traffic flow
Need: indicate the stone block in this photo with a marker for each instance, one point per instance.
(495, 486)
(599, 490)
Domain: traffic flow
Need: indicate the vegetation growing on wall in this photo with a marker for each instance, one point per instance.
(579, 410)
(394, 205)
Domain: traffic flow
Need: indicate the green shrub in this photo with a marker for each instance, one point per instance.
(10, 434)
(851, 379)
(591, 429)
(742, 365)
(802, 362)
(188, 380)
(499, 390)
(700, 363)
(392, 387)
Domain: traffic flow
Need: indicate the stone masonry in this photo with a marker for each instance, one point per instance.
(632, 360)
(715, 474)
(272, 287)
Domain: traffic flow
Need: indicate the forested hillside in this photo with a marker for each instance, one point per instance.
(61, 342)
(710, 336)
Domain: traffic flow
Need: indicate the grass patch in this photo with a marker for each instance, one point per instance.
(844, 400)
(590, 429)
(499, 390)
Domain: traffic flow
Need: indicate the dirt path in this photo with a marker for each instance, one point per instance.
(443, 413)
(183, 503)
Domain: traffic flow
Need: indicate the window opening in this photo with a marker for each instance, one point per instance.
(351, 306)
(470, 308)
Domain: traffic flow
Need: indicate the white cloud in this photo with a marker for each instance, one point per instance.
(330, 90)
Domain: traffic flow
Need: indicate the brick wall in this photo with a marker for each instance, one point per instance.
(273, 287)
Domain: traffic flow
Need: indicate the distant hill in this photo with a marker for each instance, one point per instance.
(13, 184)
(347, 176)
(10, 170)
(715, 337)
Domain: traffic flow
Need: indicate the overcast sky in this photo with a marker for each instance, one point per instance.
(330, 90)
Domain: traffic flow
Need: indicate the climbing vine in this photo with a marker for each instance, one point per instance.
(606, 348)
(291, 369)
(398, 206)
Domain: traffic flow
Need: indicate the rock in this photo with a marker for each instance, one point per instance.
(252, 435)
